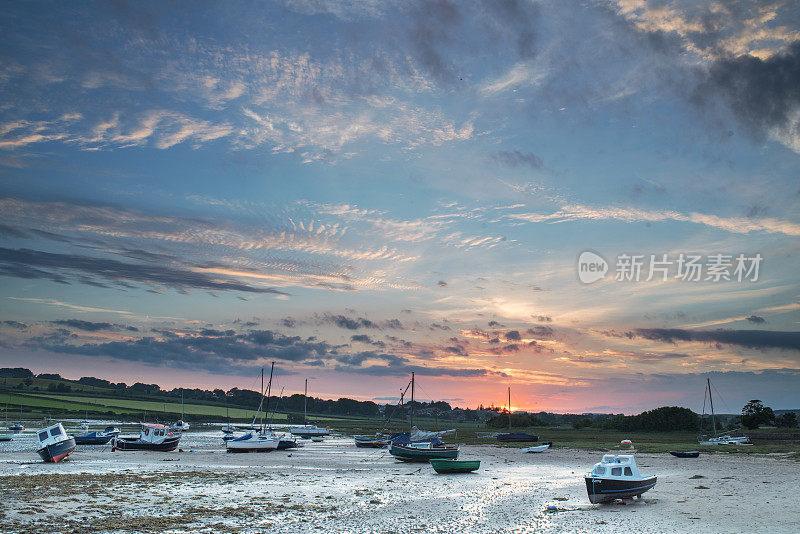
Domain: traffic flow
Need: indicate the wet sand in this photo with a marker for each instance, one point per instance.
(334, 486)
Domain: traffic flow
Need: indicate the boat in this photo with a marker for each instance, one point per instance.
(151, 438)
(181, 425)
(54, 443)
(515, 437)
(538, 448)
(423, 452)
(7, 437)
(308, 431)
(16, 428)
(442, 466)
(685, 454)
(727, 439)
(373, 442)
(255, 441)
(285, 443)
(616, 477)
(97, 437)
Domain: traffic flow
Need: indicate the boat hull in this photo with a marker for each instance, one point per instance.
(6, 437)
(286, 444)
(412, 454)
(517, 437)
(136, 444)
(57, 451)
(685, 454)
(604, 490)
(370, 443)
(455, 466)
(92, 439)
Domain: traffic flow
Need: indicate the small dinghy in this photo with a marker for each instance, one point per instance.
(151, 438)
(442, 466)
(538, 448)
(616, 477)
(685, 454)
(371, 442)
(54, 443)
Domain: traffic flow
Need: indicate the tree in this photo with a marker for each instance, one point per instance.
(755, 414)
(787, 420)
(583, 422)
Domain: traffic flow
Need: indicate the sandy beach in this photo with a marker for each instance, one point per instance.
(334, 486)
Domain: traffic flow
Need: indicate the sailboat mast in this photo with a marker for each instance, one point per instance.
(402, 412)
(305, 404)
(269, 391)
(509, 408)
(711, 400)
(411, 411)
(182, 405)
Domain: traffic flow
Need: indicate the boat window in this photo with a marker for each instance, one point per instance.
(43, 435)
(616, 471)
(628, 472)
(599, 470)
(55, 432)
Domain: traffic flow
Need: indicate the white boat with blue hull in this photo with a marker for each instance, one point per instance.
(616, 477)
(54, 443)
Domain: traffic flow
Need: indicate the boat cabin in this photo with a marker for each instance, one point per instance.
(619, 466)
(155, 433)
(51, 435)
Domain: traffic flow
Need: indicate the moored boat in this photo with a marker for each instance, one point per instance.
(7, 437)
(309, 431)
(685, 454)
(616, 477)
(373, 442)
(97, 437)
(54, 443)
(151, 438)
(538, 448)
(16, 428)
(443, 466)
(423, 452)
(253, 442)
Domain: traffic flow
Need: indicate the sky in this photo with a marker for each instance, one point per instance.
(592, 203)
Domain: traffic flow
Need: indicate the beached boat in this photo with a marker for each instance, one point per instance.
(151, 438)
(538, 448)
(181, 425)
(717, 440)
(54, 443)
(616, 477)
(97, 437)
(253, 442)
(7, 437)
(371, 442)
(442, 466)
(285, 443)
(685, 454)
(16, 428)
(423, 452)
(308, 431)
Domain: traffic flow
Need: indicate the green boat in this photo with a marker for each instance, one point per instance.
(422, 452)
(455, 466)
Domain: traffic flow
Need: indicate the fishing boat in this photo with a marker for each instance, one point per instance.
(97, 437)
(515, 437)
(151, 438)
(54, 443)
(308, 431)
(371, 442)
(685, 454)
(716, 440)
(616, 477)
(539, 448)
(423, 452)
(442, 466)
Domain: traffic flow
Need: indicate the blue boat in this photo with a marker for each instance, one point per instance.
(97, 438)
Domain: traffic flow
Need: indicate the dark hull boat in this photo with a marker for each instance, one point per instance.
(517, 437)
(455, 466)
(58, 451)
(370, 442)
(136, 444)
(607, 490)
(92, 438)
(286, 444)
(685, 454)
(423, 452)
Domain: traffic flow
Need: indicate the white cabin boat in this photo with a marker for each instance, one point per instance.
(54, 443)
(616, 477)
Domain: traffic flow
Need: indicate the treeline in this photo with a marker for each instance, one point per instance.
(665, 419)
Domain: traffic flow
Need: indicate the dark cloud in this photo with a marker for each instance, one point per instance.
(363, 338)
(540, 331)
(16, 324)
(761, 93)
(437, 326)
(32, 264)
(87, 326)
(441, 283)
(505, 349)
(513, 335)
(756, 319)
(346, 322)
(544, 318)
(754, 339)
(493, 324)
(289, 322)
(516, 158)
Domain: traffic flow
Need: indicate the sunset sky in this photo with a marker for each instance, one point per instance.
(361, 189)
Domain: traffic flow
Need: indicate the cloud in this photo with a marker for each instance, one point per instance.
(363, 338)
(516, 158)
(347, 323)
(756, 319)
(87, 326)
(441, 283)
(754, 339)
(16, 324)
(33, 264)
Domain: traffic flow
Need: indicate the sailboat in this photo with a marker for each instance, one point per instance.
(181, 425)
(518, 437)
(308, 431)
(256, 441)
(420, 451)
(6, 436)
(727, 439)
(17, 427)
